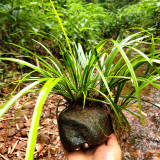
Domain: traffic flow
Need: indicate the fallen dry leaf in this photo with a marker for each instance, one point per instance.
(41, 146)
(28, 123)
(3, 150)
(21, 145)
(46, 121)
(1, 139)
(1, 126)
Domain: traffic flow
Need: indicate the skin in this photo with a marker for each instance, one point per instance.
(105, 151)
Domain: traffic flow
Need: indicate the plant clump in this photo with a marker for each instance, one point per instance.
(77, 80)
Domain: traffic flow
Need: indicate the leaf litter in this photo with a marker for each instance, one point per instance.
(13, 147)
(48, 142)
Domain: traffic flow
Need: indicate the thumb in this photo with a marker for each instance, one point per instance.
(112, 141)
(114, 146)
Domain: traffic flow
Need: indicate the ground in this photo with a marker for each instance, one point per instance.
(137, 146)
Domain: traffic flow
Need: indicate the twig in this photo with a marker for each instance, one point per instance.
(22, 139)
(14, 146)
(4, 119)
(4, 157)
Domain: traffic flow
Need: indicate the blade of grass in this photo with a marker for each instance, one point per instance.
(62, 27)
(104, 80)
(43, 72)
(36, 116)
(17, 114)
(133, 77)
(21, 82)
(43, 62)
(4, 107)
(110, 102)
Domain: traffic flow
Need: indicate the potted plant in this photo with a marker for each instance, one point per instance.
(92, 85)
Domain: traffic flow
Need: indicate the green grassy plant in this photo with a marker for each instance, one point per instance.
(88, 76)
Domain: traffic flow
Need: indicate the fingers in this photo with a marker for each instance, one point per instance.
(109, 151)
(114, 148)
(86, 154)
(112, 141)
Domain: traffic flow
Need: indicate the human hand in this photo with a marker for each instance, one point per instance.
(109, 151)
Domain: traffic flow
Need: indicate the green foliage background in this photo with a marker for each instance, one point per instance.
(22, 20)
(97, 19)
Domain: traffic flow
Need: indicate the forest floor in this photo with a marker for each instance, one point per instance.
(13, 147)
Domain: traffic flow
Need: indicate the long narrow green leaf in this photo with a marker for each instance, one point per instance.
(21, 82)
(18, 113)
(144, 56)
(81, 35)
(111, 104)
(133, 77)
(104, 81)
(43, 72)
(43, 62)
(56, 66)
(62, 28)
(8, 104)
(36, 116)
(153, 46)
(123, 116)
